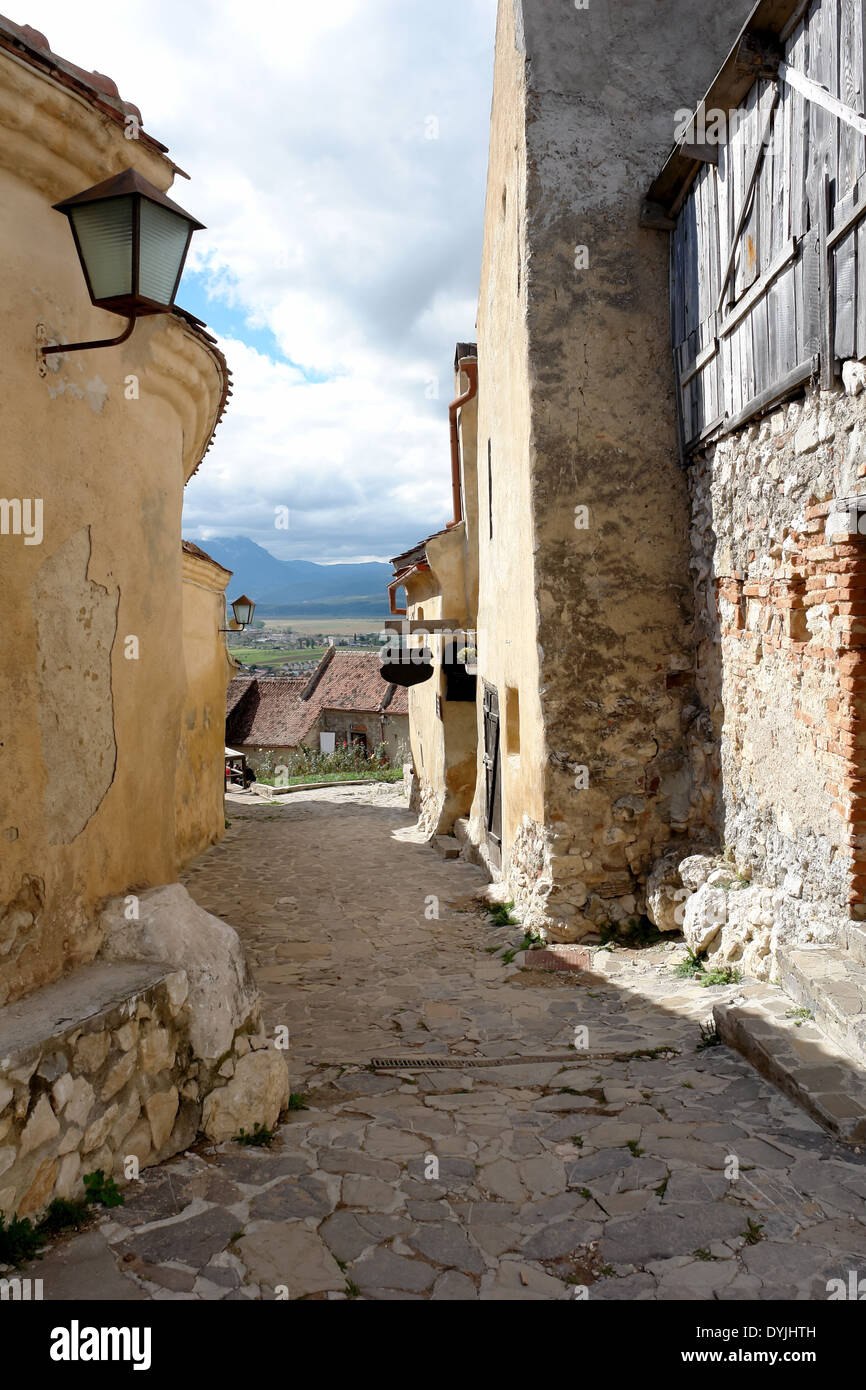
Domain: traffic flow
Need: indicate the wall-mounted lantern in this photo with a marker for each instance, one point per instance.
(243, 609)
(132, 242)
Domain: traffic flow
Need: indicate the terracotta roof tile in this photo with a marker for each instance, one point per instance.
(399, 701)
(280, 713)
(190, 548)
(265, 713)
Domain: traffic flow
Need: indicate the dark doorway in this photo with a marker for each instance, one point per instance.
(493, 773)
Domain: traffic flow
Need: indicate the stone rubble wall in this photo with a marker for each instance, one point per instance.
(124, 1084)
(429, 803)
(547, 874)
(781, 631)
(140, 1075)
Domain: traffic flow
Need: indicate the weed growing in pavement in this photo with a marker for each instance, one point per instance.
(690, 966)
(709, 1037)
(725, 976)
(261, 1137)
(801, 1015)
(693, 967)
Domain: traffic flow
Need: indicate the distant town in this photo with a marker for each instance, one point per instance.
(274, 649)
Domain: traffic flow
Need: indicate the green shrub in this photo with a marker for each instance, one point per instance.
(63, 1215)
(347, 762)
(19, 1241)
(101, 1190)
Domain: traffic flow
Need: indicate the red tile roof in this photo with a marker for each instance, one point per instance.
(264, 713)
(399, 701)
(190, 548)
(281, 712)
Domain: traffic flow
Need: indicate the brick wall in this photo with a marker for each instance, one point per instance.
(781, 616)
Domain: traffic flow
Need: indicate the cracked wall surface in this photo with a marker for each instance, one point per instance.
(76, 621)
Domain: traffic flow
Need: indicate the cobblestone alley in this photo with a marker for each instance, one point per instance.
(604, 1172)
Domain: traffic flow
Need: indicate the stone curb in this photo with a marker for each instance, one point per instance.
(264, 790)
(805, 1065)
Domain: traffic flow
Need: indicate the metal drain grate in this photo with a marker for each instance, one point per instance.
(470, 1063)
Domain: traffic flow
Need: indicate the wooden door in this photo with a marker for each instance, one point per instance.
(492, 773)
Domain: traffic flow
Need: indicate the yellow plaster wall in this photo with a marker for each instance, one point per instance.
(90, 719)
(200, 806)
(506, 593)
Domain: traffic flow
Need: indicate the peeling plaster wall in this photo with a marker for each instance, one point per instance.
(76, 621)
(88, 737)
(592, 627)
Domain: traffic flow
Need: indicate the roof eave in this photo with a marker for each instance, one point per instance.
(732, 83)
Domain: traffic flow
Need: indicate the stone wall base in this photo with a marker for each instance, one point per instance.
(122, 1063)
(731, 919)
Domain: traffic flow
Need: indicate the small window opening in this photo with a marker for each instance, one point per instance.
(512, 721)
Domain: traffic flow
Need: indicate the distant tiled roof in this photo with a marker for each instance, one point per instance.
(280, 713)
(236, 692)
(264, 712)
(419, 551)
(190, 548)
(398, 702)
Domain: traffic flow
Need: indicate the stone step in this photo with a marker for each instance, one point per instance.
(446, 846)
(461, 830)
(831, 984)
(855, 941)
(797, 1057)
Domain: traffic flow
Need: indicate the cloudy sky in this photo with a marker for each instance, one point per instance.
(338, 153)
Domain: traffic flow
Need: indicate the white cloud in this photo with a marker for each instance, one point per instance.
(332, 221)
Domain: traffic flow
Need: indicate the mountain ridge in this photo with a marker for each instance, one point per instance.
(300, 588)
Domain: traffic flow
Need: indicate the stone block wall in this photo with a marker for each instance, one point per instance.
(780, 578)
(124, 1083)
(134, 1055)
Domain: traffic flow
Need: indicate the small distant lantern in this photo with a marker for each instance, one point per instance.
(132, 242)
(243, 609)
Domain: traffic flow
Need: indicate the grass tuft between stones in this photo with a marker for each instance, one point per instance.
(21, 1241)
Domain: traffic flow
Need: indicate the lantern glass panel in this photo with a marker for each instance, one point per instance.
(243, 611)
(105, 235)
(163, 243)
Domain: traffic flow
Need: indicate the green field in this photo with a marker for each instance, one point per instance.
(330, 627)
(266, 656)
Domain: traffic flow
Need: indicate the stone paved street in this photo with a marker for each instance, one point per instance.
(635, 1166)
